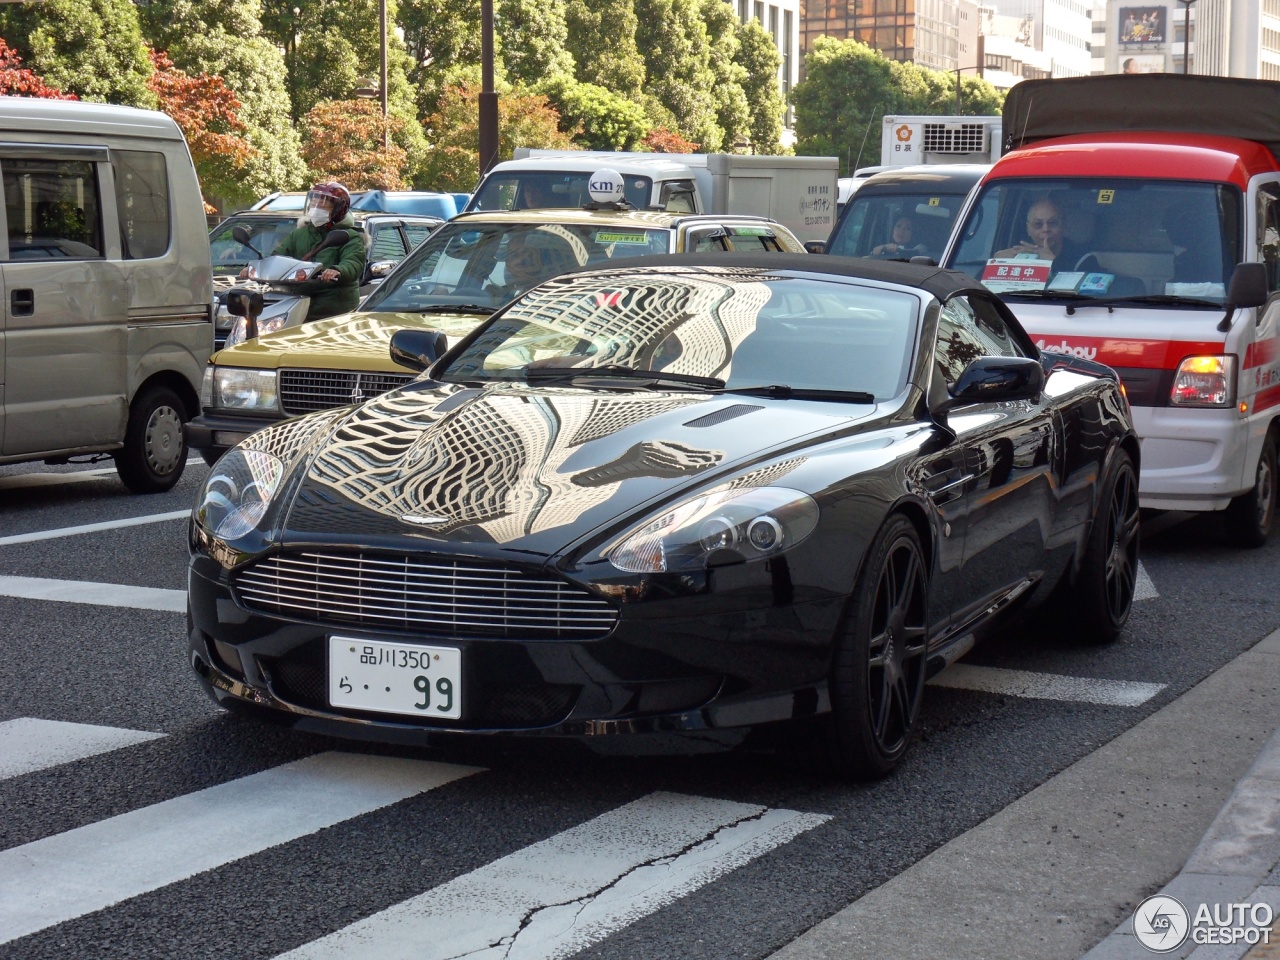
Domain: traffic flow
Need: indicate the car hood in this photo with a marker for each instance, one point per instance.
(521, 472)
(351, 341)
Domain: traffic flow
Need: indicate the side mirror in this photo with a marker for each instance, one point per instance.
(1248, 286)
(334, 238)
(380, 268)
(992, 379)
(924, 261)
(247, 304)
(417, 349)
(242, 235)
(676, 187)
(815, 246)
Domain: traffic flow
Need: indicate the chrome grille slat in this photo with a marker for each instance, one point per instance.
(465, 598)
(305, 391)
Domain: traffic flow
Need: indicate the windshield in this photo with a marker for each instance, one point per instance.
(1102, 238)
(264, 233)
(483, 265)
(896, 227)
(524, 190)
(747, 330)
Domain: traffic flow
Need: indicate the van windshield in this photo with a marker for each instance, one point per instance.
(897, 226)
(1102, 237)
(524, 190)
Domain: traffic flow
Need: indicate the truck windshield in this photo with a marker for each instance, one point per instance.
(896, 226)
(524, 190)
(1102, 238)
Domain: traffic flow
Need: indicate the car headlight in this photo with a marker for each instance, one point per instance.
(237, 492)
(238, 388)
(753, 524)
(240, 330)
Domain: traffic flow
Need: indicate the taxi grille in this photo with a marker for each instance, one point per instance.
(305, 391)
(424, 595)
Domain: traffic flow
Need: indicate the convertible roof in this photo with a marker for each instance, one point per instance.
(943, 284)
(1168, 102)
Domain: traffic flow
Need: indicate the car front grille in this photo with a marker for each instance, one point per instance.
(305, 391)
(423, 595)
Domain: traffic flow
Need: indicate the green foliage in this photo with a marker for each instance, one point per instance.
(729, 76)
(443, 41)
(92, 48)
(673, 38)
(532, 36)
(596, 118)
(602, 40)
(761, 61)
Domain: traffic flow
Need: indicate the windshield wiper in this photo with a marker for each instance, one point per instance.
(446, 308)
(1157, 298)
(618, 372)
(1046, 294)
(784, 392)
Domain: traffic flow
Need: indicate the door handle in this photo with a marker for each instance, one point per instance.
(22, 303)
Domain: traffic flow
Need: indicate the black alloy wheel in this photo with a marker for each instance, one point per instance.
(879, 669)
(1250, 516)
(1104, 590)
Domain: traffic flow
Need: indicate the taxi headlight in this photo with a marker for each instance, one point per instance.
(237, 493)
(237, 388)
(732, 525)
(1204, 382)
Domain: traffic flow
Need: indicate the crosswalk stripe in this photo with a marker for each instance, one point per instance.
(1046, 686)
(556, 897)
(1143, 588)
(99, 594)
(70, 874)
(28, 744)
(93, 527)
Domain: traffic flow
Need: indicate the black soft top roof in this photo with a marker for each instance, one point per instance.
(1168, 102)
(942, 284)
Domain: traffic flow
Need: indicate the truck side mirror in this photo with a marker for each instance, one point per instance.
(1248, 286)
(682, 191)
(815, 246)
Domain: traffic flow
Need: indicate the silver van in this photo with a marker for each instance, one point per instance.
(106, 323)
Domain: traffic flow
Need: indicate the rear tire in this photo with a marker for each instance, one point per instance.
(877, 676)
(155, 450)
(1099, 603)
(1250, 516)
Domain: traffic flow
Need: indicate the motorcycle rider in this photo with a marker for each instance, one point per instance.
(337, 289)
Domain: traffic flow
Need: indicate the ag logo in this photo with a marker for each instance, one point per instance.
(903, 133)
(1161, 923)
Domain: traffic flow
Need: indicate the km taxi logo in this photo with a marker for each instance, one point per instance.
(1162, 924)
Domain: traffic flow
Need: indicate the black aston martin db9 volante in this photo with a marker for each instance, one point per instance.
(688, 495)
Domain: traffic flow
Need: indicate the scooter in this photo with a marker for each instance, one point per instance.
(282, 299)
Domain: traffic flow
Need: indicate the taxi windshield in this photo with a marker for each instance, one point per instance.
(477, 267)
(1158, 241)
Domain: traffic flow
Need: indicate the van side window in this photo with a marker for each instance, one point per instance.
(142, 198)
(1269, 232)
(52, 209)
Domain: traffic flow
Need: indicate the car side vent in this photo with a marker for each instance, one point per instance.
(723, 414)
(456, 400)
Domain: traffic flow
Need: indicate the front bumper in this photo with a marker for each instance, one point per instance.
(1194, 459)
(656, 674)
(218, 433)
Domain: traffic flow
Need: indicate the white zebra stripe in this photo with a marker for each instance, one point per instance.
(1046, 686)
(93, 527)
(28, 744)
(98, 594)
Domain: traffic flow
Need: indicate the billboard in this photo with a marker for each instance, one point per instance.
(1142, 63)
(1143, 25)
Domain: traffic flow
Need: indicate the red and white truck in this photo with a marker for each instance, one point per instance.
(1135, 220)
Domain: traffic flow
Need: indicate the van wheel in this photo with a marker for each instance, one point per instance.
(155, 450)
(1249, 517)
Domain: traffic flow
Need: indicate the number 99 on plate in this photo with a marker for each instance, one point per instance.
(382, 676)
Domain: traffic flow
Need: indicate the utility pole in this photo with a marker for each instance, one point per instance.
(488, 98)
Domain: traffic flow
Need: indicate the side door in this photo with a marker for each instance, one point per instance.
(65, 301)
(1010, 453)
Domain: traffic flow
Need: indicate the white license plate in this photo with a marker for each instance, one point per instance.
(403, 678)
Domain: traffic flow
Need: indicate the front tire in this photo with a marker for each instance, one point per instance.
(1102, 597)
(155, 450)
(1250, 516)
(877, 677)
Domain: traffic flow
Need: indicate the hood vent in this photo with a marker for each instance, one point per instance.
(723, 414)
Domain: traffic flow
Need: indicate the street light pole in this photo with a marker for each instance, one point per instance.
(488, 98)
(958, 70)
(1186, 34)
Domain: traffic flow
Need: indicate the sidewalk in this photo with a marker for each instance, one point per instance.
(1187, 801)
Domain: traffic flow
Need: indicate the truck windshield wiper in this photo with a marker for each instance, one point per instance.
(615, 371)
(1162, 299)
(784, 392)
(1046, 294)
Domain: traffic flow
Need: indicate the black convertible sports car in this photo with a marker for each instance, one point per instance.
(679, 495)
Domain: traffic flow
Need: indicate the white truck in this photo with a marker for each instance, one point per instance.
(910, 140)
(798, 192)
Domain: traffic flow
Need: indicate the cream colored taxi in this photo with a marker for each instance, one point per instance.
(463, 273)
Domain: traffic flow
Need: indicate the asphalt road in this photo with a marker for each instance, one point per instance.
(216, 837)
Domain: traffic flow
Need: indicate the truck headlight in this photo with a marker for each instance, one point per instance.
(238, 388)
(1204, 382)
(736, 525)
(237, 492)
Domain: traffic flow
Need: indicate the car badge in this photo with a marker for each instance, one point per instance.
(424, 521)
(357, 395)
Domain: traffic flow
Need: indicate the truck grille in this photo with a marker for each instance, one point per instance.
(955, 138)
(305, 391)
(423, 595)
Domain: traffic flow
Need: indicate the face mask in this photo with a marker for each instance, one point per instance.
(319, 216)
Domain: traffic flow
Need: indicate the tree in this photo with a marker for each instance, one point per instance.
(531, 35)
(673, 38)
(662, 140)
(453, 160)
(205, 110)
(344, 141)
(602, 40)
(92, 48)
(759, 57)
(729, 76)
(596, 118)
(17, 81)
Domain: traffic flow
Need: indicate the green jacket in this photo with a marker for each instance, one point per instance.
(329, 297)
